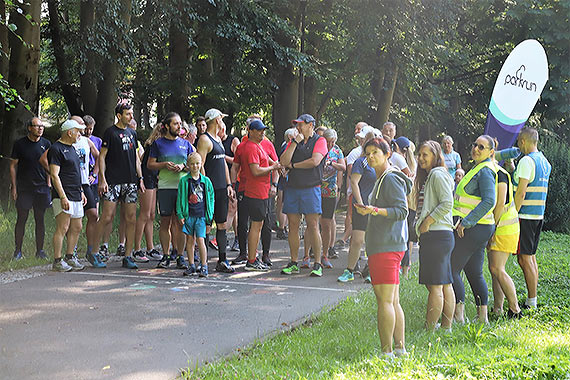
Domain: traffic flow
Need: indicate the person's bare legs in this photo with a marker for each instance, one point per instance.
(164, 233)
(202, 250)
(530, 270)
(281, 218)
(105, 223)
(448, 306)
(190, 239)
(75, 226)
(131, 221)
(434, 305)
(400, 323)
(312, 231)
(502, 281)
(293, 238)
(253, 239)
(391, 324)
(356, 241)
(326, 232)
(459, 312)
(123, 225)
(92, 215)
(62, 221)
(147, 201)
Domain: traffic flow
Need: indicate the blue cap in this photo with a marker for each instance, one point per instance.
(403, 142)
(257, 124)
(306, 118)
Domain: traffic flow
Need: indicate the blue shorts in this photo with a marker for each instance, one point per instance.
(195, 226)
(302, 201)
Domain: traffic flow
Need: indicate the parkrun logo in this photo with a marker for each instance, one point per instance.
(518, 81)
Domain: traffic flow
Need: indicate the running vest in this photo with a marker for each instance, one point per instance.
(508, 223)
(464, 203)
(215, 165)
(534, 201)
(305, 178)
(227, 143)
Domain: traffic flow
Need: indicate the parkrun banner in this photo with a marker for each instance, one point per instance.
(516, 91)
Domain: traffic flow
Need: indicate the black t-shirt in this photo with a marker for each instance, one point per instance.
(502, 178)
(121, 156)
(196, 199)
(227, 143)
(30, 174)
(67, 159)
(215, 165)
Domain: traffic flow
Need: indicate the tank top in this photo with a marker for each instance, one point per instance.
(227, 143)
(215, 164)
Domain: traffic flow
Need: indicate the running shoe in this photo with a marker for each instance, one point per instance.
(235, 246)
(154, 255)
(305, 263)
(17, 256)
(291, 268)
(74, 263)
(281, 234)
(332, 254)
(41, 255)
(346, 276)
(241, 259)
(317, 270)
(213, 244)
(121, 251)
(266, 260)
(140, 257)
(95, 260)
(326, 262)
(190, 271)
(181, 263)
(129, 263)
(164, 262)
(60, 266)
(340, 244)
(311, 254)
(203, 270)
(257, 266)
(224, 267)
(104, 252)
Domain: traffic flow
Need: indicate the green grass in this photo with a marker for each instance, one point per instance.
(343, 343)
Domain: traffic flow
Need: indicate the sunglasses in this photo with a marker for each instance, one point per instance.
(479, 146)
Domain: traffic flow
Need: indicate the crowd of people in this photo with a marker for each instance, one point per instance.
(198, 175)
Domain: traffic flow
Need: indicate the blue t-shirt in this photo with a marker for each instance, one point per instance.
(451, 160)
(367, 180)
(196, 200)
(176, 151)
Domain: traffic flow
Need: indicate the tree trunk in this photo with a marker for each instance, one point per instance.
(107, 94)
(285, 102)
(87, 76)
(61, 61)
(23, 76)
(4, 59)
(385, 95)
(178, 62)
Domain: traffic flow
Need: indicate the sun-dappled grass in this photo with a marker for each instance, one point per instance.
(343, 343)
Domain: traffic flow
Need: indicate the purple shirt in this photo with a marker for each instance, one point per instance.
(97, 142)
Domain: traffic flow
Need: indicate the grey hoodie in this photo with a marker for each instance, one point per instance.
(438, 200)
(389, 233)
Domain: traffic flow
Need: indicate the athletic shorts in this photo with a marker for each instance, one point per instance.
(123, 192)
(75, 208)
(92, 196)
(221, 205)
(504, 243)
(166, 199)
(530, 236)
(33, 199)
(196, 226)
(150, 182)
(385, 267)
(257, 208)
(302, 201)
(359, 221)
(328, 206)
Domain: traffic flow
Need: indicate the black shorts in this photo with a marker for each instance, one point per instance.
(258, 208)
(166, 201)
(150, 182)
(28, 199)
(221, 205)
(328, 205)
(92, 196)
(530, 235)
(412, 236)
(359, 222)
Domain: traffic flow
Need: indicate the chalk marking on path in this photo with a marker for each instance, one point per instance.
(212, 281)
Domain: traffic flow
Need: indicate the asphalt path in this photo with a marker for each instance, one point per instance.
(150, 323)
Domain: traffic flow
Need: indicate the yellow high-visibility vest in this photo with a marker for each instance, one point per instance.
(464, 203)
(508, 223)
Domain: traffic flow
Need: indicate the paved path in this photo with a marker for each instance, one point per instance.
(146, 324)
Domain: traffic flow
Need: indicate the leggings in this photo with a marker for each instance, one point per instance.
(468, 256)
(20, 228)
(243, 227)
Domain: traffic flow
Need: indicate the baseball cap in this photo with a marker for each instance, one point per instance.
(364, 131)
(70, 124)
(306, 118)
(212, 114)
(257, 124)
(377, 132)
(402, 142)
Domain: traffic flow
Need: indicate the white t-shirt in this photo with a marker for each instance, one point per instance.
(398, 161)
(83, 150)
(525, 169)
(350, 159)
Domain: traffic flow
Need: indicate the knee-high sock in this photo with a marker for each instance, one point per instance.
(222, 239)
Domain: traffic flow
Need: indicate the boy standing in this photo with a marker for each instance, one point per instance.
(195, 209)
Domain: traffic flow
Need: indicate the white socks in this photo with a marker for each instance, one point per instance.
(531, 302)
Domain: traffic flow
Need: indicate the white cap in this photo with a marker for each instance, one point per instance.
(364, 131)
(212, 114)
(377, 132)
(70, 124)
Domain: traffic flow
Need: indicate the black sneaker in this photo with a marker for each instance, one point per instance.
(164, 262)
(181, 263)
(256, 266)
(281, 234)
(224, 267)
(190, 271)
(41, 255)
(266, 260)
(235, 246)
(239, 260)
(513, 315)
(332, 254)
(121, 251)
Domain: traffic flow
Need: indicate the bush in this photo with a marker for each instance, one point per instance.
(557, 204)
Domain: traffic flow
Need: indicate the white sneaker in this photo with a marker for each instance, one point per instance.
(140, 257)
(74, 263)
(61, 266)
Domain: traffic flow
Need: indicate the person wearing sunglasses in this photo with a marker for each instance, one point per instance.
(473, 205)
